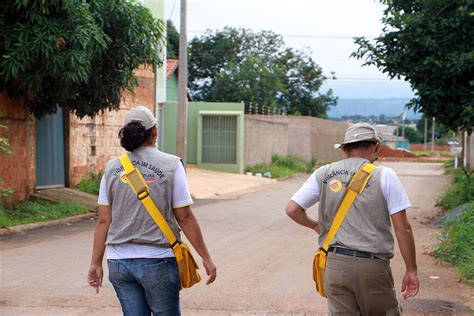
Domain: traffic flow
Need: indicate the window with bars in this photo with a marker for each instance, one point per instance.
(219, 139)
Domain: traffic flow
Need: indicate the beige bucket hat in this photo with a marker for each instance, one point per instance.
(360, 132)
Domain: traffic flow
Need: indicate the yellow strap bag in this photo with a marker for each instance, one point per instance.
(187, 267)
(355, 187)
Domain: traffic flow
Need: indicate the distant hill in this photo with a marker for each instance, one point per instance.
(367, 107)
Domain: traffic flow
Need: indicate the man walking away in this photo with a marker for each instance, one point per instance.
(358, 278)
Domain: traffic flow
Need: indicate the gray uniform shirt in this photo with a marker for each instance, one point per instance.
(131, 222)
(367, 226)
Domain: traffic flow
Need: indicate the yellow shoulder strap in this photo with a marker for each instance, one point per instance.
(355, 187)
(140, 188)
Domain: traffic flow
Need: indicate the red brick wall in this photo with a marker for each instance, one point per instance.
(18, 169)
(92, 142)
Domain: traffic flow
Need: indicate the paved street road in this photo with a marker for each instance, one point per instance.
(263, 259)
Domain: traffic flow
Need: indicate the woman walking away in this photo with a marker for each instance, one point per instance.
(142, 265)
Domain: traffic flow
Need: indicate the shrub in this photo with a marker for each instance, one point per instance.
(292, 162)
(457, 237)
(285, 166)
(91, 184)
(461, 191)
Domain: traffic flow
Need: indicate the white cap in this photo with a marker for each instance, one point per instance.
(141, 114)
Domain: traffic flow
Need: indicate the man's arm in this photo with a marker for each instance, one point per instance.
(406, 243)
(95, 275)
(304, 198)
(192, 230)
(298, 214)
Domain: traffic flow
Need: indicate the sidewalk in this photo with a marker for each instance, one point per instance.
(206, 184)
(203, 184)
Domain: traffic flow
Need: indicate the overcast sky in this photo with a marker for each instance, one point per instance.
(326, 27)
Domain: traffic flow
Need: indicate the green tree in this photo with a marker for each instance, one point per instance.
(270, 73)
(172, 40)
(303, 81)
(251, 81)
(79, 54)
(430, 44)
(411, 134)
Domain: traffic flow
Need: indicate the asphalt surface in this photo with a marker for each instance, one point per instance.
(264, 260)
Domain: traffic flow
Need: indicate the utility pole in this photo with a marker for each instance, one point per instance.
(426, 134)
(469, 152)
(404, 116)
(433, 135)
(464, 149)
(182, 130)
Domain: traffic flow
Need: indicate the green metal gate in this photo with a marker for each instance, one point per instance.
(219, 139)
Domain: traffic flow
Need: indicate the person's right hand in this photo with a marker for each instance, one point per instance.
(211, 269)
(95, 275)
(410, 285)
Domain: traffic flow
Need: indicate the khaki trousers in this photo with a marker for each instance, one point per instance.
(359, 286)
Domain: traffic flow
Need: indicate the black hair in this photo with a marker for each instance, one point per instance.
(365, 144)
(133, 135)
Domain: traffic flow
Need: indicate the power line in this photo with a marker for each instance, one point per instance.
(223, 52)
(172, 10)
(335, 37)
(366, 79)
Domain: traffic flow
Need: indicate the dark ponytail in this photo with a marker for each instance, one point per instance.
(133, 135)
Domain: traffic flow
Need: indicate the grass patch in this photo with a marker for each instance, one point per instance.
(457, 237)
(284, 166)
(457, 240)
(461, 190)
(91, 184)
(38, 211)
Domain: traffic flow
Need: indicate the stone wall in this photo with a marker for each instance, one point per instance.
(18, 169)
(299, 136)
(324, 134)
(307, 137)
(262, 139)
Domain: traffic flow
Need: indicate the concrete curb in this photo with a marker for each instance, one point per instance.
(27, 227)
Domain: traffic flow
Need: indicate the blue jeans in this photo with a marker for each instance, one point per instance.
(146, 286)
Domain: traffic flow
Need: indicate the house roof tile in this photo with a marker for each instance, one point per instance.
(171, 66)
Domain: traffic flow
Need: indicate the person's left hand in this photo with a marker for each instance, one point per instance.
(95, 275)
